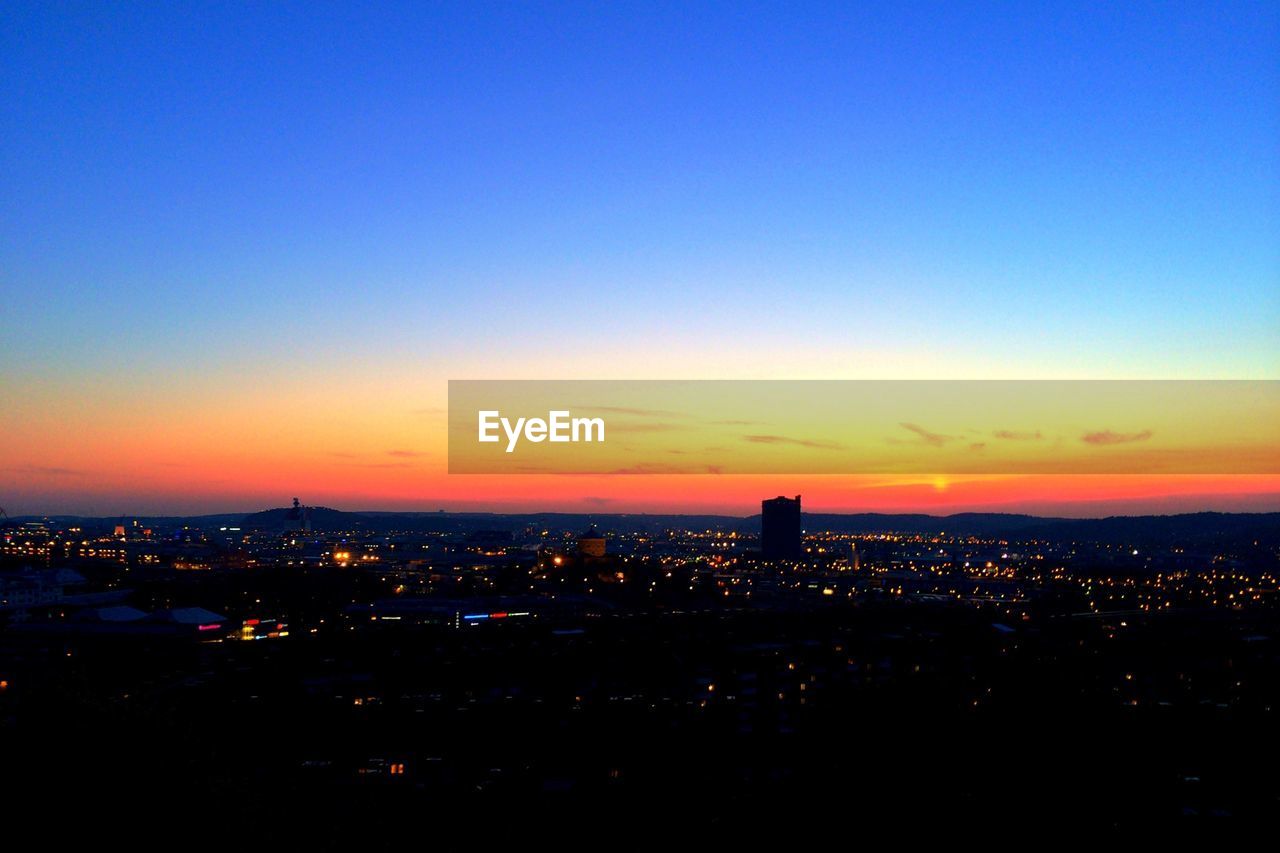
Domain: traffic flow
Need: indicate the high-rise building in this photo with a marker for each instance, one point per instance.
(591, 544)
(780, 529)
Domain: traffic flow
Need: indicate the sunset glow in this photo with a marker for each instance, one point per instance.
(203, 321)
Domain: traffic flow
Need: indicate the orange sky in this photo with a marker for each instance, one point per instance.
(227, 283)
(151, 447)
(410, 484)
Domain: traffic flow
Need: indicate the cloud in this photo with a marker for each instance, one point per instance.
(596, 500)
(737, 423)
(624, 410)
(645, 468)
(933, 439)
(1106, 437)
(1014, 435)
(47, 471)
(640, 468)
(795, 442)
(398, 454)
(978, 445)
(658, 427)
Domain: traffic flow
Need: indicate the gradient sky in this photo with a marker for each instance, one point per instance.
(243, 247)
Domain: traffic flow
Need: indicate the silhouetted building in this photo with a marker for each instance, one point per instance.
(297, 519)
(591, 544)
(780, 529)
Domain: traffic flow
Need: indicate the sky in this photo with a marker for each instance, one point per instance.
(243, 247)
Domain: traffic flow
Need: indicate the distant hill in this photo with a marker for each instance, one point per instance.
(1192, 526)
(322, 518)
(1199, 528)
(964, 523)
(1202, 528)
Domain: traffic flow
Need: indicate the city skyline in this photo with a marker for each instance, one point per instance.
(647, 425)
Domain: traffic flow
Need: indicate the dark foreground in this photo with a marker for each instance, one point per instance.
(714, 728)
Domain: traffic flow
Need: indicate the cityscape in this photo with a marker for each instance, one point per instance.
(489, 425)
(724, 675)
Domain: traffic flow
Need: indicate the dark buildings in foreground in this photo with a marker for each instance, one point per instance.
(780, 529)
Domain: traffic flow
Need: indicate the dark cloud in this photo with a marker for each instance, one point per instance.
(658, 427)
(653, 468)
(1106, 437)
(794, 442)
(1014, 435)
(47, 471)
(405, 454)
(933, 439)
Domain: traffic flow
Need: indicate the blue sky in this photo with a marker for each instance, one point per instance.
(973, 189)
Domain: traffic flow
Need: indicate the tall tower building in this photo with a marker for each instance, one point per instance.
(780, 529)
(591, 544)
(298, 518)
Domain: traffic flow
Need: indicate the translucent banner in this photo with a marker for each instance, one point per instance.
(864, 427)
